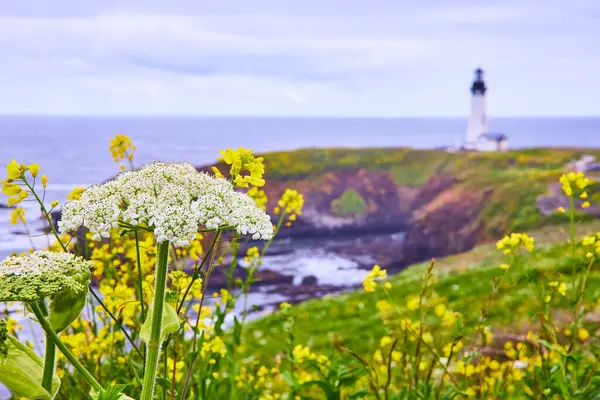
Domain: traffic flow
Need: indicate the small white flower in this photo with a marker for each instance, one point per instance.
(518, 364)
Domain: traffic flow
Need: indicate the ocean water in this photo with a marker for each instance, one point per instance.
(73, 151)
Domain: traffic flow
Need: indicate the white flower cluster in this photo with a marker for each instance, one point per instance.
(173, 199)
(42, 262)
(41, 274)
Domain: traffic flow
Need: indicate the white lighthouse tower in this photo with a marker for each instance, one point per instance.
(478, 137)
(478, 118)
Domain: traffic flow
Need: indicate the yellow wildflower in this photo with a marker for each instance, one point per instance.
(413, 302)
(14, 170)
(562, 289)
(440, 309)
(177, 367)
(583, 334)
(383, 306)
(376, 274)
(121, 147)
(259, 196)
(17, 215)
(76, 193)
(242, 160)
(385, 341)
(515, 241)
(292, 202)
(572, 181)
(44, 181)
(11, 189)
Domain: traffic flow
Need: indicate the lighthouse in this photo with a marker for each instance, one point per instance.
(478, 137)
(478, 118)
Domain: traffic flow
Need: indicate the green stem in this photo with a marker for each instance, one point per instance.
(234, 252)
(47, 214)
(117, 322)
(153, 346)
(139, 266)
(49, 361)
(197, 270)
(51, 335)
(49, 357)
(572, 217)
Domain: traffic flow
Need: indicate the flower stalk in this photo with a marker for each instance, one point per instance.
(49, 357)
(52, 336)
(49, 363)
(153, 346)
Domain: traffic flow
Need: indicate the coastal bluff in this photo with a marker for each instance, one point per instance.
(441, 202)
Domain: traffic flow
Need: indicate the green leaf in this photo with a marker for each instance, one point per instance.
(290, 378)
(65, 307)
(170, 324)
(21, 371)
(237, 331)
(111, 393)
(330, 393)
(164, 382)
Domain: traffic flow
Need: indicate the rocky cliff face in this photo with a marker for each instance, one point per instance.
(438, 218)
(445, 224)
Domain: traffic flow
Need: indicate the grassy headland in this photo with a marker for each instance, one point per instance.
(465, 284)
(511, 180)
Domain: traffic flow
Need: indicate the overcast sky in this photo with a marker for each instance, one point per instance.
(302, 57)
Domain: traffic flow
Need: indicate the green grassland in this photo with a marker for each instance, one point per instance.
(465, 281)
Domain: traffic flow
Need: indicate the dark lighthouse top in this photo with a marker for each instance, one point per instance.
(478, 86)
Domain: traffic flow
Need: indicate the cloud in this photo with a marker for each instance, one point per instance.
(301, 58)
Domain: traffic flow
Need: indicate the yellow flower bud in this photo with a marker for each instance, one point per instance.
(44, 181)
(34, 169)
(54, 203)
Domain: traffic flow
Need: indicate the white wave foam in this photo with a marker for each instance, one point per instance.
(328, 268)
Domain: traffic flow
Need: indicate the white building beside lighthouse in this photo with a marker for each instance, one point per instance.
(478, 137)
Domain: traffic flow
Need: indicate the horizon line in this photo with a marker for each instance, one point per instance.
(266, 116)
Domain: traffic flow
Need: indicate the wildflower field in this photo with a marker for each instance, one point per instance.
(120, 293)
